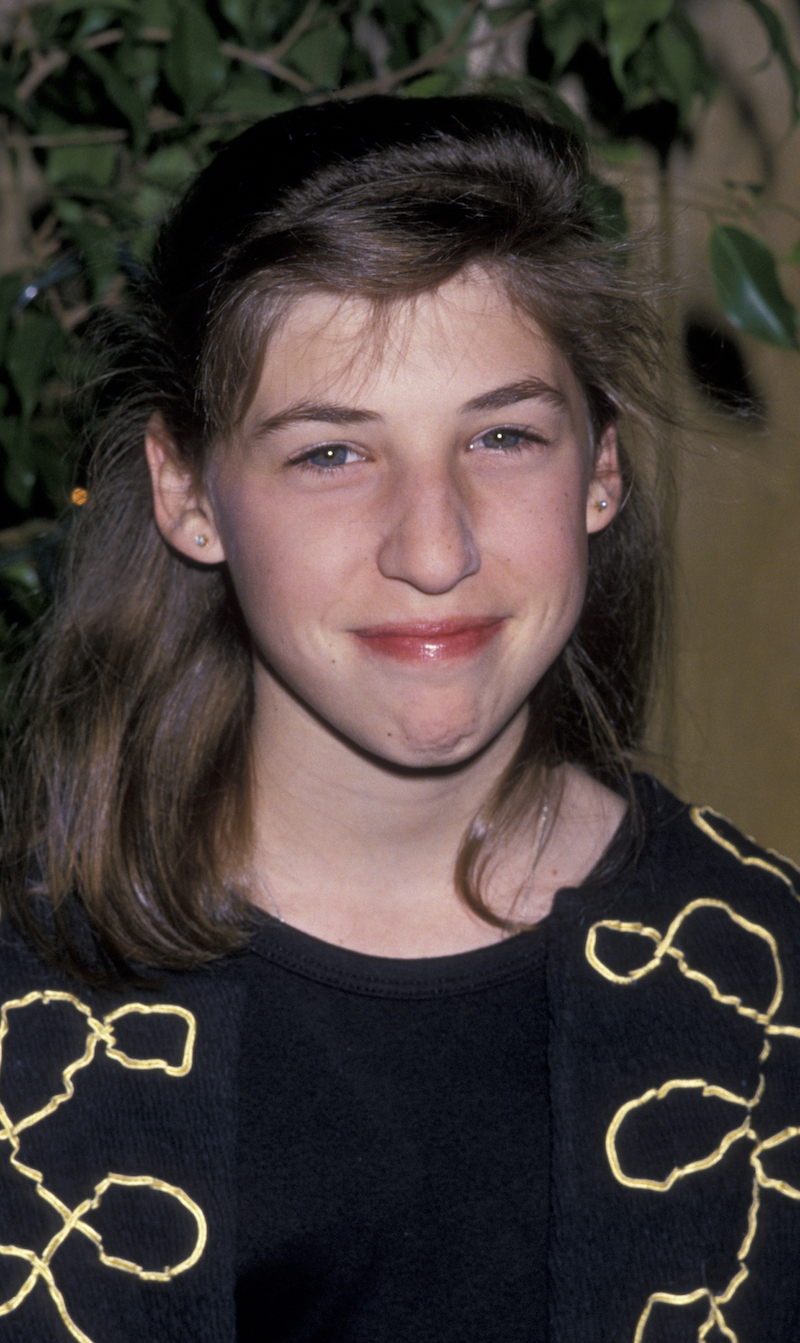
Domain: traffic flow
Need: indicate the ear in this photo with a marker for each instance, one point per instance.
(183, 514)
(605, 487)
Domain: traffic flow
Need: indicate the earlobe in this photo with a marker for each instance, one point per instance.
(182, 512)
(605, 488)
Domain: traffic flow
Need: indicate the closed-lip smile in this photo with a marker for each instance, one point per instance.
(430, 640)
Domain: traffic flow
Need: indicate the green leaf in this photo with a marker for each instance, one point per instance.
(258, 23)
(31, 351)
(497, 15)
(792, 257)
(746, 282)
(92, 18)
(10, 287)
(251, 93)
(19, 476)
(50, 123)
(239, 16)
(566, 24)
(97, 247)
(18, 482)
(193, 63)
(20, 576)
(400, 13)
(96, 18)
(445, 13)
(170, 167)
(140, 66)
(121, 93)
(141, 245)
(68, 210)
(618, 152)
(320, 53)
(439, 83)
(400, 21)
(627, 23)
(10, 101)
(156, 13)
(680, 69)
(92, 164)
(775, 29)
(103, 12)
(152, 202)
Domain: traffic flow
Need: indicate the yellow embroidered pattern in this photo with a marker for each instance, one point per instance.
(665, 947)
(98, 1031)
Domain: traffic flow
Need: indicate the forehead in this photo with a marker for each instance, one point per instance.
(465, 333)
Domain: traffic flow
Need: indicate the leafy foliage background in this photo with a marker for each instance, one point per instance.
(108, 110)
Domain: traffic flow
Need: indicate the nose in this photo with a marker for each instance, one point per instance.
(429, 540)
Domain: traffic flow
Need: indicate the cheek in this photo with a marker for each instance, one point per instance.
(546, 536)
(285, 579)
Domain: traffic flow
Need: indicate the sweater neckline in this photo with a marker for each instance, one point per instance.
(433, 976)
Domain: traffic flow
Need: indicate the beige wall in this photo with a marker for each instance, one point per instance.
(735, 740)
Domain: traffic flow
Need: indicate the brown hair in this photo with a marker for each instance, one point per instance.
(126, 789)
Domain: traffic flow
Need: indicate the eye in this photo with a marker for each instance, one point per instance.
(326, 457)
(505, 438)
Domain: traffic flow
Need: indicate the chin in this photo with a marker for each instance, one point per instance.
(431, 745)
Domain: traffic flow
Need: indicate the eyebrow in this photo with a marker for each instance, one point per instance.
(321, 412)
(327, 412)
(527, 389)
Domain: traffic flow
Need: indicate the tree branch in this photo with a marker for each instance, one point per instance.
(263, 60)
(41, 68)
(63, 139)
(271, 63)
(300, 26)
(438, 55)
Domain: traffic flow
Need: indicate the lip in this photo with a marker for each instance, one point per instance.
(431, 641)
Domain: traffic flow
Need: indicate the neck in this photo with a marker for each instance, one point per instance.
(360, 852)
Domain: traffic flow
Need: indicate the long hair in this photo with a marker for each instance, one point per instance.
(126, 791)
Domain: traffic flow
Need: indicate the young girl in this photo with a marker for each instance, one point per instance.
(353, 989)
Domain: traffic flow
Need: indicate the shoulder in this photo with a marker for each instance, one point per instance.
(700, 884)
(704, 910)
(720, 837)
(690, 852)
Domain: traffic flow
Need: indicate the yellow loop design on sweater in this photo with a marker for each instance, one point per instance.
(99, 1031)
(663, 949)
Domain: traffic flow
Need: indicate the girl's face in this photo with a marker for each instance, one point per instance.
(404, 519)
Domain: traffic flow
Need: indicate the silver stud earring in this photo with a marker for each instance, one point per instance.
(201, 540)
(601, 505)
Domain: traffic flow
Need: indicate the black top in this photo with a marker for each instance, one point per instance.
(393, 1144)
